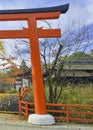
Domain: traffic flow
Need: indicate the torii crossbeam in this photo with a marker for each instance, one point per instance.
(33, 33)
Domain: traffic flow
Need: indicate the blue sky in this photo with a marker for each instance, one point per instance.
(79, 10)
(82, 9)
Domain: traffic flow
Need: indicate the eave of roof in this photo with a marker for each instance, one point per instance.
(60, 8)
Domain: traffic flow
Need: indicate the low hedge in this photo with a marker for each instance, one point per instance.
(9, 102)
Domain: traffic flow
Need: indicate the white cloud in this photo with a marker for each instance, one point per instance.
(89, 10)
(84, 14)
(80, 11)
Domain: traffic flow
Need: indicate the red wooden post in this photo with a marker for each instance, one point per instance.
(40, 106)
(26, 109)
(67, 112)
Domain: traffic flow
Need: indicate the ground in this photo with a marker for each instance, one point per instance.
(9, 117)
(17, 122)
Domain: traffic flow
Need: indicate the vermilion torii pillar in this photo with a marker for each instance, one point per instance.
(33, 33)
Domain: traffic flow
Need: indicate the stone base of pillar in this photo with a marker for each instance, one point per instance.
(41, 119)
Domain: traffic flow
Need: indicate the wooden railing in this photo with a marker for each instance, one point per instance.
(63, 112)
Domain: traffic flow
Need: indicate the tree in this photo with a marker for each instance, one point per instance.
(53, 49)
(91, 53)
(23, 66)
(80, 56)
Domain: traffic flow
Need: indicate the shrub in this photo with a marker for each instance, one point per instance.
(12, 91)
(82, 95)
(77, 94)
(29, 97)
(6, 100)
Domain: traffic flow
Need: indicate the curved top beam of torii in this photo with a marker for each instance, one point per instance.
(61, 9)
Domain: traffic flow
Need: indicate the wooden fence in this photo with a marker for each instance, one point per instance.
(63, 112)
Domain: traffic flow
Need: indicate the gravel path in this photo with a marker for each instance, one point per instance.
(14, 122)
(20, 126)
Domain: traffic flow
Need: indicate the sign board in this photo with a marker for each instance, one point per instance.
(25, 82)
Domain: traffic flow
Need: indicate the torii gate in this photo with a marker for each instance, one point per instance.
(33, 33)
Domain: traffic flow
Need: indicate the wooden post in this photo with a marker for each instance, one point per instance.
(39, 99)
(19, 100)
(26, 109)
(67, 112)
